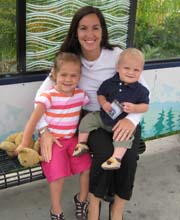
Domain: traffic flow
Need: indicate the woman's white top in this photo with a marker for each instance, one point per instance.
(93, 74)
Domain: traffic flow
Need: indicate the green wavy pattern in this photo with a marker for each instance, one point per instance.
(48, 22)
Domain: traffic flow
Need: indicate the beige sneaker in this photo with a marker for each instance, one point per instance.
(80, 149)
(111, 164)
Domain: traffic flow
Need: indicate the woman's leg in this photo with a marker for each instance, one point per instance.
(100, 143)
(93, 210)
(123, 181)
(55, 195)
(117, 209)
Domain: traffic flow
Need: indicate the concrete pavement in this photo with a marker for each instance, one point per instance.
(156, 193)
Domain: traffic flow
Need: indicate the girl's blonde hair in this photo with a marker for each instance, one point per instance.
(60, 59)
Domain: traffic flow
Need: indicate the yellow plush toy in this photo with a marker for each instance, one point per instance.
(12, 142)
(29, 156)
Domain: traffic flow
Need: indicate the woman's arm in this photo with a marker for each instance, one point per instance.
(47, 84)
(31, 124)
(134, 108)
(135, 118)
(125, 127)
(46, 139)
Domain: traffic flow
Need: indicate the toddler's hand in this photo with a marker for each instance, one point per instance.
(128, 107)
(107, 107)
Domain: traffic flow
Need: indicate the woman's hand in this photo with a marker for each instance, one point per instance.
(46, 142)
(123, 130)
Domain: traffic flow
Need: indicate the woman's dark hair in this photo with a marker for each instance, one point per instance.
(71, 43)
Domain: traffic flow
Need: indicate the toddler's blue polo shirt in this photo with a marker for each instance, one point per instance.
(114, 88)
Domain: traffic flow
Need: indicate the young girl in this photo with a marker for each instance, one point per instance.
(61, 106)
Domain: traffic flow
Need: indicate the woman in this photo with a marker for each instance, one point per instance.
(88, 37)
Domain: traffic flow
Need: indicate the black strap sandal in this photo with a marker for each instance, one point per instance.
(57, 217)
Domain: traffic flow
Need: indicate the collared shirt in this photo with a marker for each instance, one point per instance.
(115, 89)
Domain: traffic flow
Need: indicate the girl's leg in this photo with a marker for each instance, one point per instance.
(84, 186)
(55, 195)
(80, 199)
(93, 210)
(117, 209)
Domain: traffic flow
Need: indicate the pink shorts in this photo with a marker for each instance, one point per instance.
(63, 164)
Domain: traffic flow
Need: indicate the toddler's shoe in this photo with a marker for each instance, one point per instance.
(112, 163)
(80, 149)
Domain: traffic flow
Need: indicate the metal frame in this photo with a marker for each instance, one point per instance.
(132, 21)
(23, 76)
(21, 35)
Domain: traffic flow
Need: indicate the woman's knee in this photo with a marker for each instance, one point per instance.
(100, 143)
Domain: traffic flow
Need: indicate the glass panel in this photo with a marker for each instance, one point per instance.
(7, 36)
(48, 23)
(157, 30)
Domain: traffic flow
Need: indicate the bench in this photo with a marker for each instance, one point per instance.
(13, 174)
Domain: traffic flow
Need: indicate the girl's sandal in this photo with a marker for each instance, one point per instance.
(57, 217)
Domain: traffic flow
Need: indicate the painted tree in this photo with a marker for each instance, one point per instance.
(159, 126)
(143, 127)
(178, 123)
(170, 120)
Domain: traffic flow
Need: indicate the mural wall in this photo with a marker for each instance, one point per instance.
(162, 117)
(164, 113)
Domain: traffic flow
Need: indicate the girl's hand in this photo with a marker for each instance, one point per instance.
(46, 142)
(123, 130)
(18, 149)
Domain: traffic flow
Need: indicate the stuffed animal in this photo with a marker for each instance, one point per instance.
(9, 147)
(11, 143)
(27, 156)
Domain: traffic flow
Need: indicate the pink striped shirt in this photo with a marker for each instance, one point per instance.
(62, 112)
